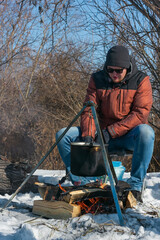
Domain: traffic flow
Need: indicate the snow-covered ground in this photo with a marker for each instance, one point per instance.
(143, 222)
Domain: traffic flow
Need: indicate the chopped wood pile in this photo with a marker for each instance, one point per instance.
(65, 202)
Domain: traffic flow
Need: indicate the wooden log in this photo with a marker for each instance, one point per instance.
(56, 209)
(50, 192)
(75, 194)
(131, 201)
(84, 194)
(12, 175)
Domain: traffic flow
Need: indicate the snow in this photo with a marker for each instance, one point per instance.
(142, 222)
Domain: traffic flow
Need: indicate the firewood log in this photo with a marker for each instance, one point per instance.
(12, 175)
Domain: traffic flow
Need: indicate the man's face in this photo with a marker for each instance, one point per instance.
(117, 74)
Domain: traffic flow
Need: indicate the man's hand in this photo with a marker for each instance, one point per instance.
(106, 135)
(88, 139)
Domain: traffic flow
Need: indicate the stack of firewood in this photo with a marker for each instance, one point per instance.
(65, 202)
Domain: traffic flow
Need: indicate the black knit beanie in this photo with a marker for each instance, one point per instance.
(118, 56)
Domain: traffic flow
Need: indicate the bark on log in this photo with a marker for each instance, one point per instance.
(12, 175)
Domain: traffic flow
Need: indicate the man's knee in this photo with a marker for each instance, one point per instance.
(70, 136)
(146, 132)
(59, 133)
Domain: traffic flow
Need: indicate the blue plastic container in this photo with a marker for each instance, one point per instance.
(119, 169)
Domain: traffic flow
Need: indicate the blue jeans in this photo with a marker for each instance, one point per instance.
(140, 140)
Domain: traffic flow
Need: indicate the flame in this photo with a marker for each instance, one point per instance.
(61, 188)
(91, 206)
(103, 185)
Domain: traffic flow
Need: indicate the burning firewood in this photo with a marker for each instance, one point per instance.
(91, 198)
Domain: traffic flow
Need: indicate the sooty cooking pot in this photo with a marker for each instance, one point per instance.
(87, 160)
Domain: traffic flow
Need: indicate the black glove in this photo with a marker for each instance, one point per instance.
(88, 140)
(106, 136)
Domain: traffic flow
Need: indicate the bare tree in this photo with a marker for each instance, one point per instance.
(134, 24)
(42, 74)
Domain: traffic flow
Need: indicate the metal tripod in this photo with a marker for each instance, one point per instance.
(104, 154)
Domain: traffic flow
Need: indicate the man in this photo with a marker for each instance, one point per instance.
(123, 96)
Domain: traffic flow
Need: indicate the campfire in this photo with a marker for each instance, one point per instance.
(95, 198)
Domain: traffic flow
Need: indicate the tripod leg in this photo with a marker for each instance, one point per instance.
(107, 165)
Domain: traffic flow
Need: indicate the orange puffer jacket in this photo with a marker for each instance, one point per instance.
(120, 107)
